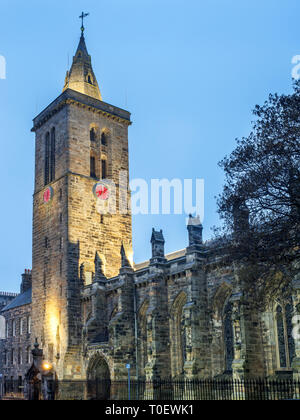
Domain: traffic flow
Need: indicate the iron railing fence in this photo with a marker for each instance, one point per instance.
(168, 390)
(13, 388)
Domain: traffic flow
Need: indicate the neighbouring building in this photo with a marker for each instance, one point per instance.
(88, 306)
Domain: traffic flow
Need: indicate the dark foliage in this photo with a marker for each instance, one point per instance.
(260, 202)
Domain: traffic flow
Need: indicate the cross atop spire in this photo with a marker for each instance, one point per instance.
(82, 16)
(81, 77)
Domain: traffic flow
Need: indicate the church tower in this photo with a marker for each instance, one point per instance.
(79, 208)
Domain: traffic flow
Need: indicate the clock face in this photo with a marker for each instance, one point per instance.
(48, 194)
(101, 191)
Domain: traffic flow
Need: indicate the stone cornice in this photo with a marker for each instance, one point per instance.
(70, 97)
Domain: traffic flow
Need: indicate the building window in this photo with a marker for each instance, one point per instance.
(103, 139)
(60, 194)
(104, 168)
(28, 353)
(29, 324)
(285, 341)
(93, 167)
(47, 157)
(93, 135)
(52, 155)
(60, 267)
(60, 244)
(21, 326)
(6, 329)
(60, 218)
(19, 356)
(47, 243)
(12, 357)
(14, 328)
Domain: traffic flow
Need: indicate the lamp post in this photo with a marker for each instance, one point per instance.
(128, 369)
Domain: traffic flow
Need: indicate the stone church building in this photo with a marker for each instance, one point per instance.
(87, 308)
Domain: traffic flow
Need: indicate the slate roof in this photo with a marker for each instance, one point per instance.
(20, 300)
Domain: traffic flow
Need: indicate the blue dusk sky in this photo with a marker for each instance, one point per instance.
(189, 71)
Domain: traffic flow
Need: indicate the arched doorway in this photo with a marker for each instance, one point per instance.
(98, 376)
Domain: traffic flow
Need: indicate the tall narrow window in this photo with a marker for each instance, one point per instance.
(104, 168)
(29, 324)
(228, 337)
(52, 155)
(103, 139)
(92, 135)
(93, 167)
(285, 340)
(19, 356)
(47, 157)
(14, 324)
(28, 353)
(281, 338)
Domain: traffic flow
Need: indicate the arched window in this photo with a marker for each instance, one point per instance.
(103, 139)
(52, 155)
(178, 335)
(93, 134)
(285, 341)
(47, 157)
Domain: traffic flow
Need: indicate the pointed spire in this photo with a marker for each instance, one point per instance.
(125, 262)
(99, 274)
(81, 77)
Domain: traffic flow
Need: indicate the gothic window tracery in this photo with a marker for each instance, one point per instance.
(142, 337)
(178, 335)
(49, 164)
(285, 341)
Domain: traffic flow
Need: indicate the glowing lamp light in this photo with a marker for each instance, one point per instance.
(47, 366)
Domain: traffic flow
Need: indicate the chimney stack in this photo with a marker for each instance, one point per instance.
(26, 281)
